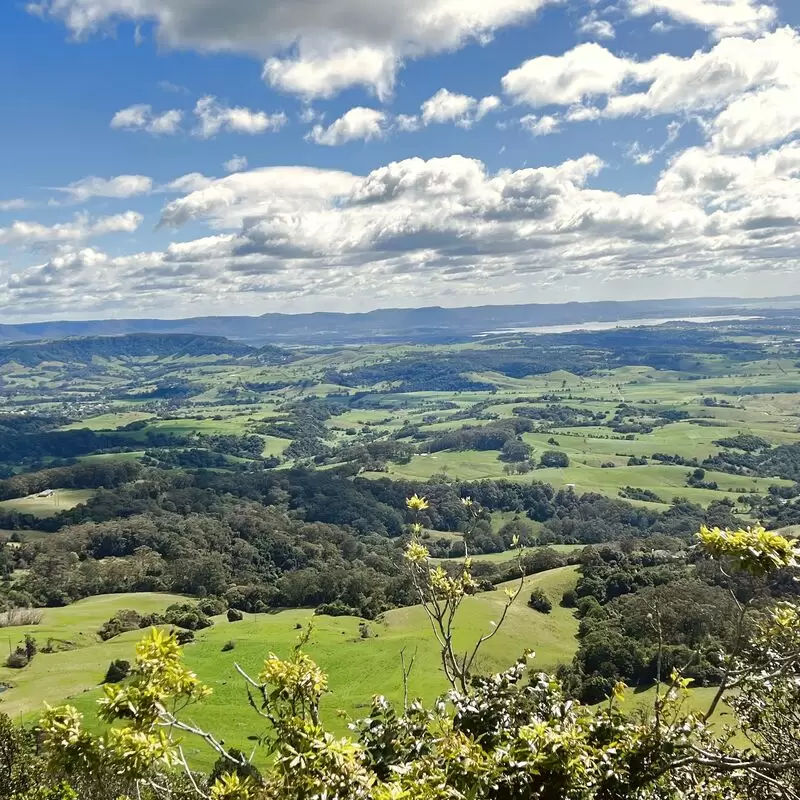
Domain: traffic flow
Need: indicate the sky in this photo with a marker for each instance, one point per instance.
(172, 158)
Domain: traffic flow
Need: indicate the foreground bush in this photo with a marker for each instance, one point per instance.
(512, 736)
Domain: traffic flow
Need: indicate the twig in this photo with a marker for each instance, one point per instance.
(407, 673)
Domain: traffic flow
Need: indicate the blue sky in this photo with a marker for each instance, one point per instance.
(172, 158)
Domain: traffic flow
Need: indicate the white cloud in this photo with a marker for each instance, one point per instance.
(122, 186)
(596, 28)
(192, 182)
(14, 204)
(587, 71)
(447, 106)
(57, 271)
(407, 123)
(214, 117)
(639, 155)
(272, 190)
(463, 110)
(540, 126)
(758, 119)
(720, 17)
(236, 164)
(33, 234)
(309, 115)
(486, 105)
(444, 227)
(708, 80)
(705, 80)
(312, 48)
(356, 124)
(750, 87)
(141, 117)
(324, 73)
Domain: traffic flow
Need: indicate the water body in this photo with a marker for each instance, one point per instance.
(621, 323)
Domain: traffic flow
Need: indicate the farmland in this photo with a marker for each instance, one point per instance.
(143, 473)
(357, 667)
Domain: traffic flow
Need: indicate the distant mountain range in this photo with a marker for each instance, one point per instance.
(433, 324)
(83, 350)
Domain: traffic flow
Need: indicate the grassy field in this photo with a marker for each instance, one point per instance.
(60, 500)
(510, 555)
(133, 455)
(357, 667)
(54, 677)
(108, 422)
(667, 481)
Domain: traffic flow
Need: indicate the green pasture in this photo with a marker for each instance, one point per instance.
(108, 422)
(508, 556)
(227, 425)
(60, 500)
(275, 445)
(357, 667)
(667, 481)
(55, 677)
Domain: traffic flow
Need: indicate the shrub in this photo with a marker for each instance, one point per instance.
(569, 599)
(188, 616)
(125, 620)
(18, 659)
(228, 646)
(117, 671)
(151, 620)
(30, 647)
(336, 609)
(234, 615)
(213, 606)
(539, 601)
(184, 636)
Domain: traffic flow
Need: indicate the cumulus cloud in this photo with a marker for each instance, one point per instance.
(121, 186)
(228, 201)
(540, 126)
(34, 234)
(758, 119)
(446, 214)
(463, 110)
(593, 26)
(142, 118)
(235, 164)
(191, 182)
(663, 84)
(312, 48)
(421, 228)
(322, 73)
(720, 17)
(745, 91)
(214, 117)
(356, 124)
(58, 271)
(587, 71)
